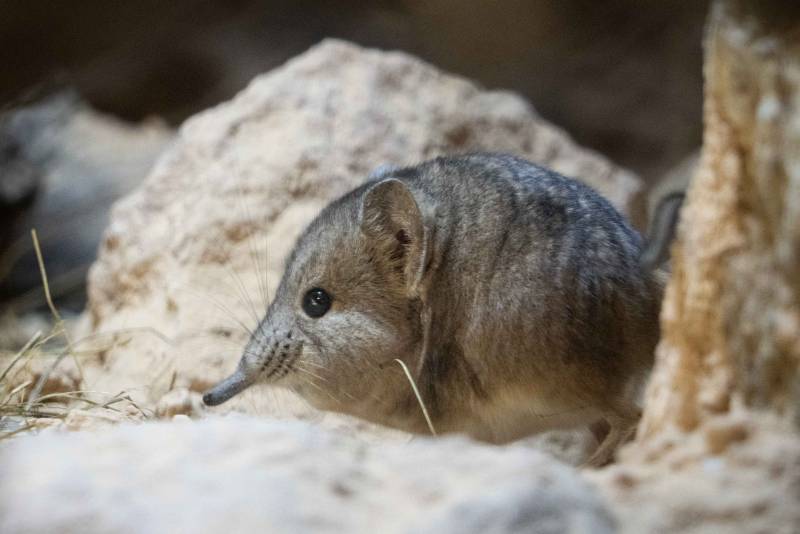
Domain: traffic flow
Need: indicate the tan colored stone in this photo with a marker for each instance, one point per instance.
(179, 401)
(750, 486)
(722, 432)
(730, 316)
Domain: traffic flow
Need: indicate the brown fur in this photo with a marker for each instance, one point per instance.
(516, 295)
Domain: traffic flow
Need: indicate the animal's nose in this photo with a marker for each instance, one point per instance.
(226, 389)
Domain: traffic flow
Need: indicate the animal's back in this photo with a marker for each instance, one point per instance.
(541, 286)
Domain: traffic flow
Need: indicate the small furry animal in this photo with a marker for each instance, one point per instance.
(515, 295)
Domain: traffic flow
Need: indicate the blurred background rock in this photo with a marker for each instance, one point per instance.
(621, 77)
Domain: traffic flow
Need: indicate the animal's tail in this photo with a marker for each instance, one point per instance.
(662, 231)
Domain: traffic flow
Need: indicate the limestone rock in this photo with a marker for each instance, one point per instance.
(740, 474)
(718, 448)
(241, 474)
(731, 316)
(220, 211)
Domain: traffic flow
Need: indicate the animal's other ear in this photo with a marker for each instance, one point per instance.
(392, 222)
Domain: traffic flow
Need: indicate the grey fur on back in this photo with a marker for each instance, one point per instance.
(515, 294)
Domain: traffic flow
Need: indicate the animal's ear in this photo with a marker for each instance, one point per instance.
(393, 223)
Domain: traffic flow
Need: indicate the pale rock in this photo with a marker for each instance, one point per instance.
(179, 401)
(243, 474)
(746, 478)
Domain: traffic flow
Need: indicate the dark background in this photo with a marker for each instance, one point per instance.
(623, 77)
(620, 76)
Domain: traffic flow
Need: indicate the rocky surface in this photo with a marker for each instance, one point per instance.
(738, 250)
(241, 474)
(718, 448)
(191, 256)
(741, 473)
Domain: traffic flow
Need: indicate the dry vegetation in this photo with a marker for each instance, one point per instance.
(42, 383)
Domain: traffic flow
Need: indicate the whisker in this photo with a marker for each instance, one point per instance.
(253, 256)
(306, 371)
(243, 293)
(266, 272)
(314, 364)
(223, 308)
(322, 390)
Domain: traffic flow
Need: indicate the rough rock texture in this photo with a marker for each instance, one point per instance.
(220, 211)
(250, 475)
(740, 474)
(718, 448)
(731, 317)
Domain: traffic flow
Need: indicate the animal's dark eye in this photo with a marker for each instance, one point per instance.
(316, 302)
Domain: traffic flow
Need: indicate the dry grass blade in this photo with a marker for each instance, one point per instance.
(18, 414)
(60, 406)
(20, 430)
(37, 389)
(14, 391)
(419, 397)
(128, 398)
(21, 354)
(57, 316)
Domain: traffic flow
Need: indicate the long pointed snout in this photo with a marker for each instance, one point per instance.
(234, 384)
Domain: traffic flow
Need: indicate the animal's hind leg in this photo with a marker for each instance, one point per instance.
(622, 423)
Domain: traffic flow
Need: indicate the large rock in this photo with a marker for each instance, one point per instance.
(718, 448)
(251, 475)
(731, 316)
(209, 229)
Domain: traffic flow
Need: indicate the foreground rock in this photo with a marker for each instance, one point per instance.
(740, 474)
(209, 229)
(249, 475)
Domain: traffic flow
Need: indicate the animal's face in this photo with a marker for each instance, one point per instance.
(347, 305)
